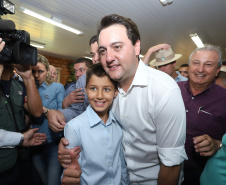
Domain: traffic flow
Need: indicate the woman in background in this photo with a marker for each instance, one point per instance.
(45, 157)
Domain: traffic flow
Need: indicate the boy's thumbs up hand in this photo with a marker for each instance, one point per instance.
(72, 174)
(74, 162)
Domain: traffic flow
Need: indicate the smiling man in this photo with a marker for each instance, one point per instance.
(148, 106)
(205, 110)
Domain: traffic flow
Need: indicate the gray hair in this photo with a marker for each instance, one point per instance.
(209, 47)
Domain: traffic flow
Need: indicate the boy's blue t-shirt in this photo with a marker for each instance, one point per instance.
(101, 159)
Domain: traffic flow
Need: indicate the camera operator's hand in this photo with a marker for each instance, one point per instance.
(2, 44)
(34, 102)
(24, 71)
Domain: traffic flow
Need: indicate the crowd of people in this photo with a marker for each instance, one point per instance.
(122, 122)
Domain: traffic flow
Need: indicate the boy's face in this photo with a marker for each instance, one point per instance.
(100, 92)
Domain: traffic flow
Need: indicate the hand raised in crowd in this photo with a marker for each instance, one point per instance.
(72, 174)
(74, 97)
(56, 120)
(159, 46)
(154, 49)
(32, 139)
(64, 157)
(205, 145)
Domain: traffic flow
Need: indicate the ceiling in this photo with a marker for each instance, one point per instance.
(171, 24)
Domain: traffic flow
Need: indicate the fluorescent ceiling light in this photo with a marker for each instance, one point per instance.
(51, 21)
(88, 58)
(37, 45)
(164, 2)
(196, 40)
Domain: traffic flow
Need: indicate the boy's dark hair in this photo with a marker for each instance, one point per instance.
(87, 61)
(184, 65)
(132, 30)
(93, 39)
(98, 70)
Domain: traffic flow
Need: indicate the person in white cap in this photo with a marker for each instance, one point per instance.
(166, 61)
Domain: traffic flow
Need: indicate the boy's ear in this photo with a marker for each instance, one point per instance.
(116, 93)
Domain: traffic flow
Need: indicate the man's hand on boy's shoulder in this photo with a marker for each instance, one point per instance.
(73, 172)
(64, 157)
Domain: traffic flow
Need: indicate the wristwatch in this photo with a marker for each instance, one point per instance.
(46, 111)
(21, 140)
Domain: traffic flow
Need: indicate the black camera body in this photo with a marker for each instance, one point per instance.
(17, 48)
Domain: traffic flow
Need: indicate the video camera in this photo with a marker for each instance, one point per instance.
(17, 48)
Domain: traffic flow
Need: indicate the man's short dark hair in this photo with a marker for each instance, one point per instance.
(87, 61)
(184, 65)
(132, 29)
(93, 39)
(98, 70)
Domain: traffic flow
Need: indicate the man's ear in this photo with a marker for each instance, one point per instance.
(116, 93)
(137, 47)
(218, 70)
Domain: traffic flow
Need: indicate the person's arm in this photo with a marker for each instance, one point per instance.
(77, 108)
(171, 134)
(71, 175)
(33, 139)
(169, 175)
(205, 145)
(152, 50)
(2, 44)
(76, 96)
(56, 120)
(64, 153)
(34, 102)
(11, 139)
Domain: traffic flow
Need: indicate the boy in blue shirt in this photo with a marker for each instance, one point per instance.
(98, 133)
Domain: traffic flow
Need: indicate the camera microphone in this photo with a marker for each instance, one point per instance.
(7, 25)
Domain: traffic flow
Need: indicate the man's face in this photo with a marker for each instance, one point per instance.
(79, 69)
(203, 68)
(94, 53)
(168, 68)
(53, 73)
(184, 71)
(118, 55)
